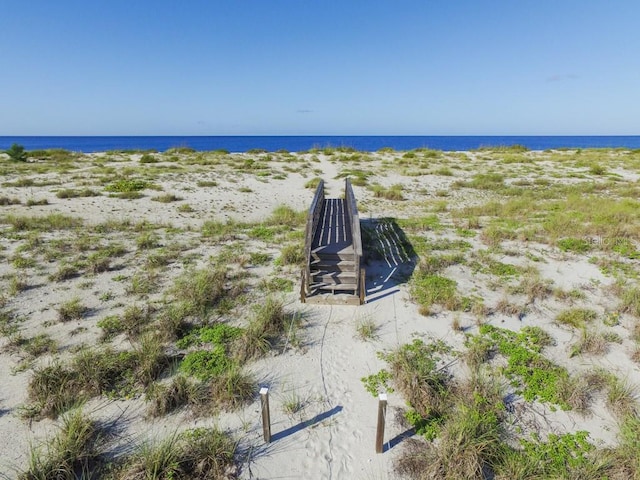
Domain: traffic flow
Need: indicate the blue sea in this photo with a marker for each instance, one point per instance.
(89, 144)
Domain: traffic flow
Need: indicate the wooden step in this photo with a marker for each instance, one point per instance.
(333, 298)
(346, 256)
(333, 287)
(333, 265)
(334, 278)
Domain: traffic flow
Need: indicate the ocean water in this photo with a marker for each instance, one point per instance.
(89, 144)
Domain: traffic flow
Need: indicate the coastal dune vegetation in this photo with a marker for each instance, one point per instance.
(146, 296)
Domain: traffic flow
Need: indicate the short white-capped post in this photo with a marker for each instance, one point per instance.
(266, 417)
(382, 413)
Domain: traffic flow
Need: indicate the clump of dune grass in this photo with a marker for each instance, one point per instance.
(77, 451)
(212, 377)
(576, 317)
(166, 198)
(631, 301)
(143, 282)
(367, 329)
(64, 272)
(479, 350)
(493, 235)
(231, 390)
(148, 158)
(55, 388)
(313, 183)
(626, 456)
(205, 453)
(98, 262)
(185, 208)
(285, 215)
(32, 202)
(174, 320)
(416, 374)
(591, 343)
(200, 290)
(111, 326)
(150, 358)
(134, 319)
(147, 240)
(393, 192)
(270, 322)
(621, 396)
(37, 345)
(291, 254)
(597, 169)
(17, 283)
(207, 183)
(483, 181)
(507, 307)
(470, 436)
(533, 286)
(20, 262)
(576, 245)
(293, 403)
(71, 310)
(165, 398)
(578, 392)
(53, 221)
(75, 193)
(9, 201)
(433, 264)
(221, 231)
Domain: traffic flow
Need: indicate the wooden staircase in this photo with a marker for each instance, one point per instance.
(333, 249)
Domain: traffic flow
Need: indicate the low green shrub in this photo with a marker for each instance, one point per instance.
(216, 334)
(128, 185)
(430, 289)
(534, 376)
(205, 364)
(148, 158)
(576, 245)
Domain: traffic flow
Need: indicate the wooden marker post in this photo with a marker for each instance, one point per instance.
(382, 413)
(266, 417)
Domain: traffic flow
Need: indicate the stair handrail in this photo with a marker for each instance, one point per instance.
(313, 218)
(352, 210)
(356, 235)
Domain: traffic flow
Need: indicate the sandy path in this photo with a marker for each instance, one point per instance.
(333, 436)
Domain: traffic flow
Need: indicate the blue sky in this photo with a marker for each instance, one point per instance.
(324, 67)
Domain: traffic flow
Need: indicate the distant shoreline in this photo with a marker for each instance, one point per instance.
(365, 143)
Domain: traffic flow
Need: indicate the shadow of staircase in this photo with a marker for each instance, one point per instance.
(389, 257)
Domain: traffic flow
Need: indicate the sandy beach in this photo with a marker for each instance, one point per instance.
(527, 239)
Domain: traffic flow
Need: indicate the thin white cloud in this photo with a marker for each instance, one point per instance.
(559, 77)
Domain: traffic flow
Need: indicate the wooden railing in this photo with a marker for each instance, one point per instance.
(356, 235)
(313, 218)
